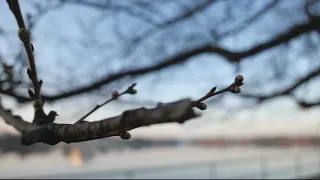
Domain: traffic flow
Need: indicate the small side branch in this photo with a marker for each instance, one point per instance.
(115, 95)
(16, 121)
(234, 88)
(24, 36)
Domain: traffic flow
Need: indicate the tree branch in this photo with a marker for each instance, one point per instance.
(179, 111)
(247, 22)
(188, 13)
(24, 36)
(112, 7)
(288, 90)
(16, 121)
(52, 133)
(305, 104)
(186, 55)
(181, 57)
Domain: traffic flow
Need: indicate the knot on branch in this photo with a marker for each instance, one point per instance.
(24, 35)
(45, 134)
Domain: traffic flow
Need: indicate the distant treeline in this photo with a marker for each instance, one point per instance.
(11, 144)
(263, 141)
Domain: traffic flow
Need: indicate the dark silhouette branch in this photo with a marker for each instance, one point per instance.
(288, 90)
(112, 7)
(186, 55)
(181, 57)
(304, 104)
(247, 22)
(188, 13)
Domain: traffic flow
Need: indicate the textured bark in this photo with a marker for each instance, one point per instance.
(179, 111)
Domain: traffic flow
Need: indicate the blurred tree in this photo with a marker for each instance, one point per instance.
(108, 43)
(139, 38)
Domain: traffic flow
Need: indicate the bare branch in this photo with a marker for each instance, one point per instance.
(181, 57)
(179, 111)
(16, 121)
(24, 36)
(305, 104)
(286, 91)
(115, 95)
(234, 88)
(184, 56)
(189, 13)
(247, 22)
(112, 7)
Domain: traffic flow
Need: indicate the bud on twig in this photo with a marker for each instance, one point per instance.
(24, 35)
(29, 73)
(31, 94)
(202, 106)
(213, 90)
(37, 104)
(238, 80)
(115, 95)
(40, 82)
(125, 135)
(130, 89)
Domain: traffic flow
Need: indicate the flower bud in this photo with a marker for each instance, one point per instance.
(213, 89)
(125, 135)
(115, 94)
(132, 91)
(238, 80)
(202, 106)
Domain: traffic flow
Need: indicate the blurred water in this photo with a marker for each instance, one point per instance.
(174, 163)
(275, 168)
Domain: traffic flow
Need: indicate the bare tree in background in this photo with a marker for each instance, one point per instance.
(146, 37)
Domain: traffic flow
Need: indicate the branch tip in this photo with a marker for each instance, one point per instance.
(114, 96)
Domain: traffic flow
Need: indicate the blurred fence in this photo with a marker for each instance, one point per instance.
(277, 165)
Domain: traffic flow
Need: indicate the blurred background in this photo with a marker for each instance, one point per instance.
(85, 49)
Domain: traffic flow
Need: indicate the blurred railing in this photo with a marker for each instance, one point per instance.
(286, 165)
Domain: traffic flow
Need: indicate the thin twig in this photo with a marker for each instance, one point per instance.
(24, 36)
(234, 88)
(115, 95)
